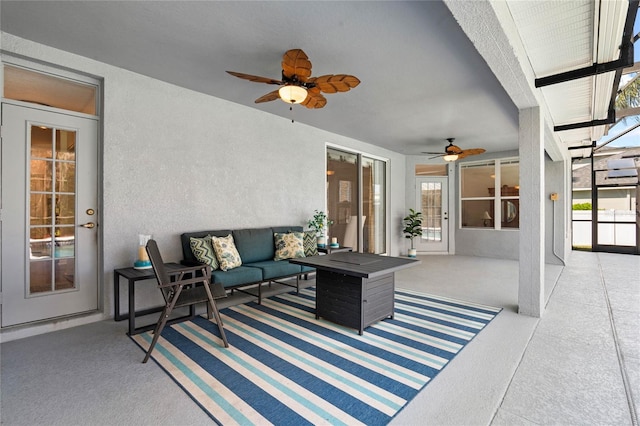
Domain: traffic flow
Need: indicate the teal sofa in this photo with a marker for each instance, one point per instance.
(256, 247)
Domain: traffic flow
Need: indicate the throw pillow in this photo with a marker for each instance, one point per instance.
(226, 252)
(289, 245)
(310, 243)
(203, 251)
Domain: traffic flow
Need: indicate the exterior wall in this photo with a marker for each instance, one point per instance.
(175, 160)
(609, 198)
(557, 226)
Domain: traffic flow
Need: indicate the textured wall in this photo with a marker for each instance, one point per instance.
(175, 160)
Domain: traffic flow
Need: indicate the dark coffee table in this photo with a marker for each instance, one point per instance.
(355, 289)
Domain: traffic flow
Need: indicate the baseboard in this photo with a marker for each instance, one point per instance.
(34, 329)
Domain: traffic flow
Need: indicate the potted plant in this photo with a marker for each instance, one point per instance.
(412, 228)
(319, 223)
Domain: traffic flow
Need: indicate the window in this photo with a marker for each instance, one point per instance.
(481, 206)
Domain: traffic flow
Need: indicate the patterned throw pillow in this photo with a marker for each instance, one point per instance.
(310, 243)
(289, 245)
(203, 251)
(226, 252)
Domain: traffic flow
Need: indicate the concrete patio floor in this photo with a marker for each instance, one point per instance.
(578, 364)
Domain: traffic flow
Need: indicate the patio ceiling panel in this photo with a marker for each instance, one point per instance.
(570, 35)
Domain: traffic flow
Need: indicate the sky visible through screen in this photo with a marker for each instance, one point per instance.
(631, 139)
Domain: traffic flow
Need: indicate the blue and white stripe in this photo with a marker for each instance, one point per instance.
(285, 367)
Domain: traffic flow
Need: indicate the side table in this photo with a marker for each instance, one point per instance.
(132, 275)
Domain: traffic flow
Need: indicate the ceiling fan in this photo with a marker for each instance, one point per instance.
(297, 85)
(453, 152)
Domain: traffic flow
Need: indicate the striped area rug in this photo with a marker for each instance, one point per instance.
(284, 367)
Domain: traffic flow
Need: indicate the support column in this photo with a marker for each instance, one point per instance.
(531, 263)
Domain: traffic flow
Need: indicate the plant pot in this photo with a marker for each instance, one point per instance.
(322, 242)
(412, 252)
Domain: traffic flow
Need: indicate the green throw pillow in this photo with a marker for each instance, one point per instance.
(289, 245)
(310, 243)
(226, 252)
(203, 251)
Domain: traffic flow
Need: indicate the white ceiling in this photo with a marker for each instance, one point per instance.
(422, 79)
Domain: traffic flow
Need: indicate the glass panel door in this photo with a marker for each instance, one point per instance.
(49, 244)
(432, 201)
(356, 201)
(374, 206)
(342, 197)
(52, 210)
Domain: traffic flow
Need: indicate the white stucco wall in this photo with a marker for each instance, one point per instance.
(175, 160)
(558, 227)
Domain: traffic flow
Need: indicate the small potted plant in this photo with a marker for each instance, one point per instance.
(319, 223)
(412, 228)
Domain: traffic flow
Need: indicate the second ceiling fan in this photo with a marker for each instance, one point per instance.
(453, 152)
(297, 85)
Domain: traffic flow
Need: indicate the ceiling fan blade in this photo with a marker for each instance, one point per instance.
(437, 156)
(332, 83)
(453, 149)
(432, 153)
(471, 151)
(271, 96)
(295, 62)
(314, 100)
(255, 78)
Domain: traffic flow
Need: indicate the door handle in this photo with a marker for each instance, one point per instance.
(88, 225)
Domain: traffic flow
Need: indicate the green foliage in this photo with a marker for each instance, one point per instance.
(582, 206)
(629, 97)
(319, 222)
(412, 225)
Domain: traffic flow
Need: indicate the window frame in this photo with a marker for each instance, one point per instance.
(497, 198)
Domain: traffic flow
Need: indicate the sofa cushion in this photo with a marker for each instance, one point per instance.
(203, 251)
(187, 254)
(289, 245)
(310, 243)
(254, 244)
(276, 268)
(237, 276)
(226, 252)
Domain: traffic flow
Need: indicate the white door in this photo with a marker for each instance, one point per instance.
(432, 200)
(49, 254)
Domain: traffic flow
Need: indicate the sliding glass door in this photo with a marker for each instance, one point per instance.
(356, 200)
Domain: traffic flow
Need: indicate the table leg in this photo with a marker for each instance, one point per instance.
(132, 308)
(116, 297)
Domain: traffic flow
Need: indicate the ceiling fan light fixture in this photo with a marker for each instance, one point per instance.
(450, 157)
(292, 94)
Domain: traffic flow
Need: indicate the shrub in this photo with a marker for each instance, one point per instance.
(582, 206)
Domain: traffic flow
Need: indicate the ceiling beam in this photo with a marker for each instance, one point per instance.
(611, 118)
(625, 61)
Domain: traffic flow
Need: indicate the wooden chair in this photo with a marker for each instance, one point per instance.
(179, 288)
